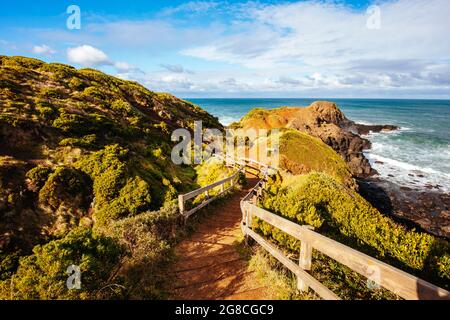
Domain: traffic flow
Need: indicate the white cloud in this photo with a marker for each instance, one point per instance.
(88, 56)
(297, 42)
(43, 50)
(175, 68)
(285, 48)
(193, 7)
(125, 67)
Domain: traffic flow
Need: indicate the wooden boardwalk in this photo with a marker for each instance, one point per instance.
(209, 265)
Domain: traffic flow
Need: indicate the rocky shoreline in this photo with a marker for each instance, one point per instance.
(427, 209)
(421, 209)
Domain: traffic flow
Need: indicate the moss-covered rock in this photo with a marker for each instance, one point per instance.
(322, 119)
(301, 153)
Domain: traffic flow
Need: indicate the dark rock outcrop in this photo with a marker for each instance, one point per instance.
(422, 209)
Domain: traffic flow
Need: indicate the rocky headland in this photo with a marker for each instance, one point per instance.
(325, 121)
(426, 209)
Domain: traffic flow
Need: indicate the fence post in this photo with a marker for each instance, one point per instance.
(304, 262)
(244, 220)
(248, 225)
(181, 203)
(181, 207)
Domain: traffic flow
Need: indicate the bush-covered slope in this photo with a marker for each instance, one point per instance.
(301, 153)
(80, 149)
(319, 200)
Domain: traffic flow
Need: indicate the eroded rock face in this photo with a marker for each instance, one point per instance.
(423, 209)
(323, 120)
(343, 135)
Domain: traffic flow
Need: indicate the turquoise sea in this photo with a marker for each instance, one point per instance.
(415, 156)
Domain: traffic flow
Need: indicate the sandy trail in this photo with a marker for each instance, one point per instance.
(209, 266)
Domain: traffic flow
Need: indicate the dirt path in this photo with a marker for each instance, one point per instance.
(209, 265)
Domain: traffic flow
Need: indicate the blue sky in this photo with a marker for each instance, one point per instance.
(399, 48)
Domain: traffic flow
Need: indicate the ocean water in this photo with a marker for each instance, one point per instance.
(416, 156)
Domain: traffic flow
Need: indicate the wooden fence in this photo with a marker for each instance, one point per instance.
(206, 190)
(242, 164)
(397, 281)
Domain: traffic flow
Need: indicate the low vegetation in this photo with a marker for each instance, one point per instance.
(85, 174)
(336, 211)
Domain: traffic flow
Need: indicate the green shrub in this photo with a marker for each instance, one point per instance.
(122, 107)
(163, 127)
(58, 71)
(88, 142)
(77, 84)
(107, 168)
(98, 76)
(80, 125)
(39, 175)
(46, 110)
(134, 198)
(51, 93)
(149, 238)
(94, 93)
(296, 149)
(68, 122)
(65, 185)
(24, 62)
(211, 171)
(8, 265)
(319, 200)
(43, 274)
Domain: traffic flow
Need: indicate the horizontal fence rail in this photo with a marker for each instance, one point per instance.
(243, 164)
(184, 197)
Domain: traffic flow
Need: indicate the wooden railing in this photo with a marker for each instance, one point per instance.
(206, 190)
(243, 164)
(399, 282)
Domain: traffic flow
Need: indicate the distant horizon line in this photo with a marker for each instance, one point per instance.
(318, 98)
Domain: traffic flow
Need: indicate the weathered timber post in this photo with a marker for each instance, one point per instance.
(181, 207)
(244, 221)
(304, 261)
(248, 225)
(181, 204)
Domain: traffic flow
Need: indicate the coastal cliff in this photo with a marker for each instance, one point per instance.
(325, 121)
(423, 209)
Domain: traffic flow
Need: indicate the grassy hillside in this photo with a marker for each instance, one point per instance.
(301, 153)
(81, 151)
